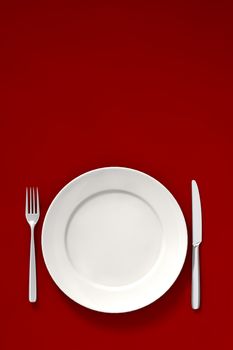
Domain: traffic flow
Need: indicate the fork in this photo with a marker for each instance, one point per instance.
(32, 213)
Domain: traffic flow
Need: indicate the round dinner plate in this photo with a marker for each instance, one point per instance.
(114, 239)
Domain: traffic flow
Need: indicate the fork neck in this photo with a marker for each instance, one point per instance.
(32, 225)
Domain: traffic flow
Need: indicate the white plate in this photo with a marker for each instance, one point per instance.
(114, 239)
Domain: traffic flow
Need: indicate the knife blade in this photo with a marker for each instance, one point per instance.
(196, 215)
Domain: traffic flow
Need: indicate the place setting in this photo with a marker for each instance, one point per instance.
(114, 240)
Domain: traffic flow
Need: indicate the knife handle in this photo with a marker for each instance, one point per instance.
(195, 278)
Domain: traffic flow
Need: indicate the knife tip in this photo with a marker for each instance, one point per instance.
(193, 183)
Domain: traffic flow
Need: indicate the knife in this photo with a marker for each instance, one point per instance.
(196, 241)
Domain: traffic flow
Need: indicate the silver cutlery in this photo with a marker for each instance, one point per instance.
(32, 213)
(196, 241)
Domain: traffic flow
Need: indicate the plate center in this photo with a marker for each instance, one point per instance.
(113, 238)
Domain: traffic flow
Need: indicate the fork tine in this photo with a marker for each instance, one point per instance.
(33, 201)
(37, 201)
(26, 203)
(30, 209)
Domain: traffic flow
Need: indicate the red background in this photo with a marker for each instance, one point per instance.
(142, 84)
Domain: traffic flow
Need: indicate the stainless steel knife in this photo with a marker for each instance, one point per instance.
(196, 240)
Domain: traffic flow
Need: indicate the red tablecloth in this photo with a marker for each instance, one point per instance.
(142, 84)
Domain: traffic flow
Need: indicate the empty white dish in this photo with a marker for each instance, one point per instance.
(114, 239)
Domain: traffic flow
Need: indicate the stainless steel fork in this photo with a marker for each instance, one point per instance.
(32, 213)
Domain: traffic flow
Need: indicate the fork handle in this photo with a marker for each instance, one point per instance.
(32, 270)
